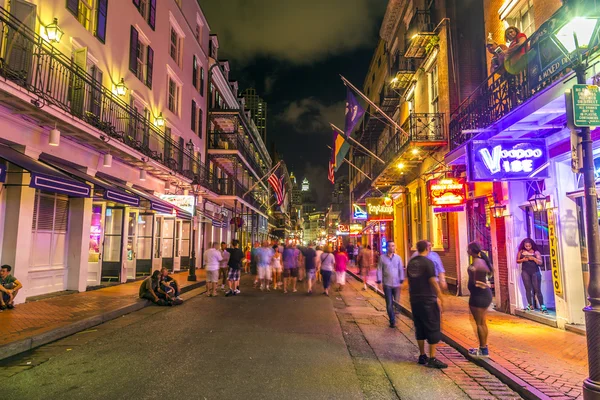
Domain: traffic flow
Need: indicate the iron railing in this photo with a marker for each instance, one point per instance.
(234, 141)
(53, 78)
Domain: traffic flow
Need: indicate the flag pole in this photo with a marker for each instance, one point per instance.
(354, 166)
(261, 179)
(358, 144)
(365, 98)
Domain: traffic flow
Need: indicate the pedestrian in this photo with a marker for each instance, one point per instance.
(440, 271)
(318, 253)
(341, 264)
(212, 259)
(223, 265)
(530, 259)
(264, 257)
(390, 275)
(277, 267)
(356, 252)
(150, 289)
(291, 257)
(310, 256)
(425, 303)
(168, 284)
(236, 255)
(365, 261)
(247, 258)
(327, 266)
(481, 295)
(253, 263)
(9, 288)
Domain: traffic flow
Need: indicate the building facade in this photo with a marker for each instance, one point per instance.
(258, 111)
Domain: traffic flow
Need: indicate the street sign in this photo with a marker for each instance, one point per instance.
(586, 105)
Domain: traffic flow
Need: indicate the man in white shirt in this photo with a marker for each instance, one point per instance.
(223, 265)
(212, 259)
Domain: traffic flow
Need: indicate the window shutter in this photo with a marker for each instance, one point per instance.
(61, 215)
(149, 64)
(200, 124)
(152, 14)
(101, 15)
(202, 81)
(195, 72)
(45, 214)
(133, 44)
(194, 124)
(73, 7)
(137, 3)
(181, 150)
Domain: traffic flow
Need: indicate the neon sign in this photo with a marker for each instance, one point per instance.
(380, 209)
(505, 160)
(359, 213)
(343, 230)
(447, 191)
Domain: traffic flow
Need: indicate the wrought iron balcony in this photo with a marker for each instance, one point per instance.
(53, 78)
(231, 187)
(403, 71)
(420, 36)
(234, 141)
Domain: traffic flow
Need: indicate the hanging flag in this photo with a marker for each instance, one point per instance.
(340, 149)
(331, 173)
(277, 185)
(354, 112)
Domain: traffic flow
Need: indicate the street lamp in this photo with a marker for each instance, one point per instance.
(53, 32)
(539, 202)
(192, 271)
(120, 88)
(575, 36)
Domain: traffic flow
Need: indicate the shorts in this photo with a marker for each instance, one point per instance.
(481, 298)
(311, 274)
(265, 272)
(426, 316)
(340, 277)
(212, 276)
(364, 271)
(290, 272)
(233, 274)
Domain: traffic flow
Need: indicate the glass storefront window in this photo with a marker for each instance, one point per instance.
(168, 237)
(144, 236)
(112, 235)
(95, 234)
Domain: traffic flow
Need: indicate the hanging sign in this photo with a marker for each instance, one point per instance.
(358, 213)
(507, 160)
(554, 256)
(186, 203)
(380, 209)
(343, 230)
(355, 229)
(447, 192)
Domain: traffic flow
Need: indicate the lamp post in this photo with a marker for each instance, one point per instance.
(574, 37)
(192, 269)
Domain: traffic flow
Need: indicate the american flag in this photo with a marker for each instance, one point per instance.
(278, 186)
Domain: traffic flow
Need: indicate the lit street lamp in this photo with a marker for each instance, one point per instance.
(192, 270)
(575, 36)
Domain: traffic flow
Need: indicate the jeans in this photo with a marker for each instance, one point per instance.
(326, 278)
(533, 282)
(391, 294)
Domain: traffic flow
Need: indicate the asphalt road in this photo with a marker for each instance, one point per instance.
(252, 346)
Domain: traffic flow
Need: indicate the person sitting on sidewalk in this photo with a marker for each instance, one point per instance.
(425, 303)
(212, 259)
(390, 275)
(150, 290)
(9, 288)
(168, 284)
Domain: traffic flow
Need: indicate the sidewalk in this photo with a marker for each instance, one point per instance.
(546, 361)
(36, 323)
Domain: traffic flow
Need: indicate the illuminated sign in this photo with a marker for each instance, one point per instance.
(447, 191)
(355, 229)
(506, 160)
(380, 209)
(186, 203)
(343, 230)
(554, 256)
(359, 213)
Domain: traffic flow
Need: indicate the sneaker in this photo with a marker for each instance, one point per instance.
(392, 325)
(480, 352)
(229, 293)
(237, 291)
(262, 288)
(210, 295)
(295, 290)
(222, 287)
(3, 307)
(435, 363)
(423, 359)
(544, 310)
(528, 308)
(268, 288)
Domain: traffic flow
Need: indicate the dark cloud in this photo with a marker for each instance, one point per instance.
(311, 116)
(296, 31)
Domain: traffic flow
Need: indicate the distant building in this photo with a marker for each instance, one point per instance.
(314, 226)
(258, 109)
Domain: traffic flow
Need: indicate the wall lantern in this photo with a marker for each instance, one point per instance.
(539, 202)
(53, 32)
(160, 120)
(120, 88)
(497, 210)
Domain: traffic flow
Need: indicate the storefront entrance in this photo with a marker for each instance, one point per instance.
(143, 250)
(112, 249)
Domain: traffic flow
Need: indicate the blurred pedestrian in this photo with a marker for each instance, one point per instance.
(247, 258)
(291, 257)
(264, 257)
(440, 271)
(341, 264)
(390, 275)
(365, 261)
(310, 256)
(481, 295)
(212, 259)
(327, 268)
(318, 253)
(253, 263)
(235, 264)
(223, 265)
(277, 267)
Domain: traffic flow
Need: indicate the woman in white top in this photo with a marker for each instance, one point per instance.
(277, 268)
(327, 261)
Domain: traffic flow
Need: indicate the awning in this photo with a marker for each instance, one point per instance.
(156, 204)
(110, 192)
(43, 176)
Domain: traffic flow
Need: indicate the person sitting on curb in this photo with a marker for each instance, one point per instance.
(9, 288)
(169, 285)
(151, 290)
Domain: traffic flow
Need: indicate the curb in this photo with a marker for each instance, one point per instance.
(524, 389)
(20, 346)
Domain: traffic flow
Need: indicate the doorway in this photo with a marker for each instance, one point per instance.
(168, 243)
(143, 256)
(113, 244)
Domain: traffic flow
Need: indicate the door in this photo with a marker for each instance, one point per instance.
(157, 249)
(131, 245)
(18, 51)
(143, 256)
(185, 244)
(177, 254)
(95, 246)
(112, 252)
(77, 85)
(168, 242)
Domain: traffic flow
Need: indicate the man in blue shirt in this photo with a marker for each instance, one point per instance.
(309, 255)
(440, 272)
(390, 275)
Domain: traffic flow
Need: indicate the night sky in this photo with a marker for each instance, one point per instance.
(292, 52)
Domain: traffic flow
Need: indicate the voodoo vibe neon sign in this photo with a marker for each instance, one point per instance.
(505, 160)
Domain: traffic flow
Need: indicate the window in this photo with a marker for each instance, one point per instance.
(49, 230)
(522, 18)
(200, 122)
(201, 88)
(175, 46)
(141, 58)
(147, 9)
(194, 125)
(173, 96)
(91, 14)
(141, 61)
(195, 72)
(433, 90)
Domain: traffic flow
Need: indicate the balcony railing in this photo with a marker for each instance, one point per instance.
(419, 36)
(53, 78)
(233, 141)
(231, 187)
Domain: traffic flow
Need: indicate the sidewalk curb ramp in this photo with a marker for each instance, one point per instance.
(20, 346)
(495, 367)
